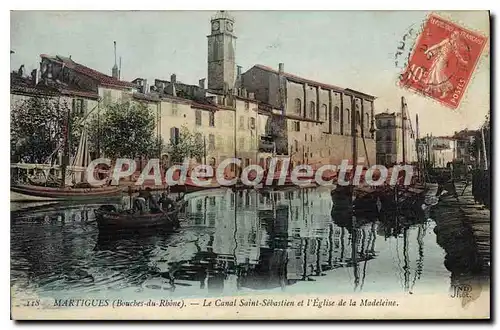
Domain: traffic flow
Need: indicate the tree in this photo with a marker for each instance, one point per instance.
(38, 126)
(125, 130)
(189, 145)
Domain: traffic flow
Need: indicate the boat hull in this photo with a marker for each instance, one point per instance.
(29, 193)
(113, 221)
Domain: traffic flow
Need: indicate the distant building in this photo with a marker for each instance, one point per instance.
(438, 151)
(389, 139)
(464, 140)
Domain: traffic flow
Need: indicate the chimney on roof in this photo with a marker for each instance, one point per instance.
(114, 70)
(201, 83)
(34, 77)
(238, 71)
(173, 78)
(281, 68)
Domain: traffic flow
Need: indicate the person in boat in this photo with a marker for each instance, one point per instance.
(166, 202)
(140, 201)
(154, 204)
(145, 200)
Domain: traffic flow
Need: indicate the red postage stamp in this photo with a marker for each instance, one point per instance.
(443, 61)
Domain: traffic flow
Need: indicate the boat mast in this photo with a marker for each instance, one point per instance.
(65, 158)
(484, 149)
(403, 105)
(354, 141)
(417, 147)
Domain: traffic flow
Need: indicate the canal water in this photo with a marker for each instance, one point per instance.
(229, 244)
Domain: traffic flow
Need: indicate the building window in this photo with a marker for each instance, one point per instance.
(174, 135)
(336, 114)
(198, 117)
(242, 144)
(297, 106)
(174, 109)
(348, 116)
(220, 142)
(367, 120)
(296, 145)
(79, 106)
(247, 105)
(199, 138)
(312, 110)
(107, 97)
(358, 118)
(242, 122)
(323, 113)
(211, 142)
(296, 126)
(211, 119)
(252, 123)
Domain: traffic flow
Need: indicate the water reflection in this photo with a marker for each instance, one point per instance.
(228, 243)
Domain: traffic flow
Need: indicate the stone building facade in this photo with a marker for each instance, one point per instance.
(318, 116)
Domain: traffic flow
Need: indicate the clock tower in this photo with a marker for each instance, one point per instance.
(221, 49)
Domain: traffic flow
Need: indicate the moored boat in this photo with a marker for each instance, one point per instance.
(54, 182)
(32, 193)
(111, 220)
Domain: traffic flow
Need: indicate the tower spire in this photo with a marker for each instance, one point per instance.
(221, 53)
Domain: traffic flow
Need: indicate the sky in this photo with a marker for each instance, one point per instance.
(350, 49)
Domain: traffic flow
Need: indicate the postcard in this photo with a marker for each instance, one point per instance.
(250, 165)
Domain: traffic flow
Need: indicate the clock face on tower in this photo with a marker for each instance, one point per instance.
(215, 26)
(229, 26)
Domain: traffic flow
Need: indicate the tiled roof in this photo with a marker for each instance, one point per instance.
(23, 85)
(301, 80)
(33, 90)
(203, 106)
(384, 114)
(102, 78)
(146, 97)
(70, 92)
(349, 90)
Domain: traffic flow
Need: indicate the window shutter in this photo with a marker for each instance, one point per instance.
(84, 107)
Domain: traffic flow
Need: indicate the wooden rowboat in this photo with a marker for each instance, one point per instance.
(30, 193)
(110, 220)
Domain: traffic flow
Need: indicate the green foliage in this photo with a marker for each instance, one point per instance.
(190, 145)
(37, 129)
(125, 130)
